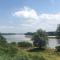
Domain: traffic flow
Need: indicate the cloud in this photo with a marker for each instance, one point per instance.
(33, 20)
(26, 12)
(7, 27)
(51, 18)
(11, 29)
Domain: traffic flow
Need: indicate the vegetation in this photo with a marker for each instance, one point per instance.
(58, 32)
(24, 44)
(3, 41)
(58, 48)
(48, 54)
(49, 33)
(40, 38)
(58, 38)
(29, 33)
(14, 44)
(6, 48)
(13, 50)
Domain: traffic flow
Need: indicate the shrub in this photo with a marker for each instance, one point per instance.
(24, 44)
(11, 50)
(13, 44)
(3, 41)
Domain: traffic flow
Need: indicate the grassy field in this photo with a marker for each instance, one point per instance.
(24, 54)
(48, 54)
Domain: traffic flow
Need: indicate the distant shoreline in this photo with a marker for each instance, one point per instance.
(28, 33)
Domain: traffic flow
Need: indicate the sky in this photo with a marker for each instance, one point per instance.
(20, 16)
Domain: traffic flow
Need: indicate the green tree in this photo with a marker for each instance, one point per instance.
(57, 48)
(40, 38)
(58, 32)
(58, 38)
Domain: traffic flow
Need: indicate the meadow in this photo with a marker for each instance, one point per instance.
(23, 54)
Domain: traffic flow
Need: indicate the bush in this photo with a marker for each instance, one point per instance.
(24, 44)
(3, 41)
(10, 50)
(40, 38)
(58, 48)
(13, 44)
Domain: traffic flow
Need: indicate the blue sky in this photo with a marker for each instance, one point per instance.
(21, 16)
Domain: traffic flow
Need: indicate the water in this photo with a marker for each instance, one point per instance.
(17, 38)
(52, 43)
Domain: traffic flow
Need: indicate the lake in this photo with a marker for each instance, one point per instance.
(18, 38)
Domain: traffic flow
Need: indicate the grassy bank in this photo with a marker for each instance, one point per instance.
(48, 54)
(24, 54)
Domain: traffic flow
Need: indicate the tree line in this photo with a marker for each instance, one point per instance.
(49, 33)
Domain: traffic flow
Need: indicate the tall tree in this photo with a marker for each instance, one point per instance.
(58, 32)
(40, 38)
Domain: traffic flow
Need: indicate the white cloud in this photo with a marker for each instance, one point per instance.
(26, 13)
(2, 27)
(34, 21)
(51, 18)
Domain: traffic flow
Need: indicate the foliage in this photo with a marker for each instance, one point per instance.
(29, 33)
(58, 32)
(3, 41)
(28, 57)
(51, 33)
(40, 38)
(24, 55)
(11, 50)
(58, 48)
(24, 44)
(21, 57)
(14, 44)
(7, 48)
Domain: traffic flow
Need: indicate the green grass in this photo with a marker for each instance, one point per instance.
(23, 54)
(48, 54)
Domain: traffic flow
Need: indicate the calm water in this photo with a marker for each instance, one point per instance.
(17, 38)
(52, 43)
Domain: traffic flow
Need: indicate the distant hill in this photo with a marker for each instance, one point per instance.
(51, 33)
(12, 33)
